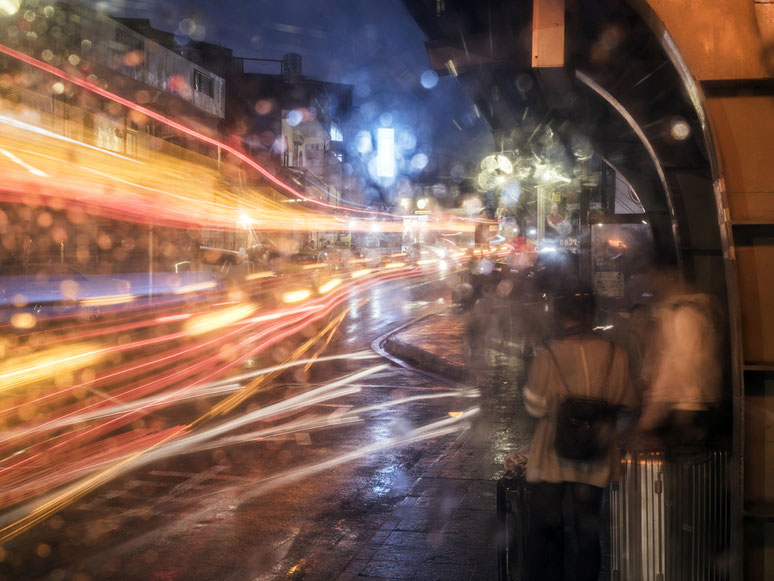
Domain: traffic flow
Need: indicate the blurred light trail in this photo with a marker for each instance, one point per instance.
(215, 388)
(196, 287)
(169, 122)
(319, 422)
(230, 403)
(296, 296)
(436, 429)
(223, 318)
(47, 364)
(330, 285)
(134, 389)
(54, 503)
(172, 318)
(223, 407)
(188, 131)
(259, 275)
(108, 300)
(46, 133)
(28, 167)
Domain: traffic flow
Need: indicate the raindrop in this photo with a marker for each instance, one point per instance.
(489, 163)
(524, 82)
(363, 90)
(406, 140)
(263, 107)
(484, 266)
(23, 320)
(187, 26)
(680, 129)
(199, 33)
(295, 117)
(419, 162)
(429, 79)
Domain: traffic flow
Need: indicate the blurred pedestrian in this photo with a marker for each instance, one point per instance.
(683, 373)
(567, 476)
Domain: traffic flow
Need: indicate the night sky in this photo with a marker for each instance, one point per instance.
(374, 45)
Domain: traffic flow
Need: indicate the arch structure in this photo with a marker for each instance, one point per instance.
(724, 54)
(678, 97)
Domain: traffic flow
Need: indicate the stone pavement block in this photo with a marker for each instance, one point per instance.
(381, 536)
(422, 520)
(455, 549)
(480, 497)
(405, 554)
(486, 570)
(390, 569)
(356, 566)
(446, 572)
(405, 539)
(477, 525)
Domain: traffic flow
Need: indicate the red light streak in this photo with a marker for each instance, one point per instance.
(187, 130)
(80, 451)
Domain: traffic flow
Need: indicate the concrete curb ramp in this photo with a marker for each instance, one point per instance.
(434, 343)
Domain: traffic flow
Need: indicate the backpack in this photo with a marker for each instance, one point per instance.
(585, 426)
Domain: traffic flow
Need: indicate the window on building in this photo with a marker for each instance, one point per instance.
(203, 83)
(336, 133)
(127, 42)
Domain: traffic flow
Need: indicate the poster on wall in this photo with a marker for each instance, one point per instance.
(609, 284)
(618, 252)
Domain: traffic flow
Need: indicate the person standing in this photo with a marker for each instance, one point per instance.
(579, 364)
(683, 369)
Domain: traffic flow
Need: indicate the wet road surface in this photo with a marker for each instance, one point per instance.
(292, 503)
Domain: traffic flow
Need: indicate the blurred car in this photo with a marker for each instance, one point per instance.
(54, 291)
(45, 291)
(310, 257)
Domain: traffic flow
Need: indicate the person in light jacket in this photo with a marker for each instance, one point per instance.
(583, 364)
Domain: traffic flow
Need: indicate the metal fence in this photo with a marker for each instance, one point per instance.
(670, 518)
